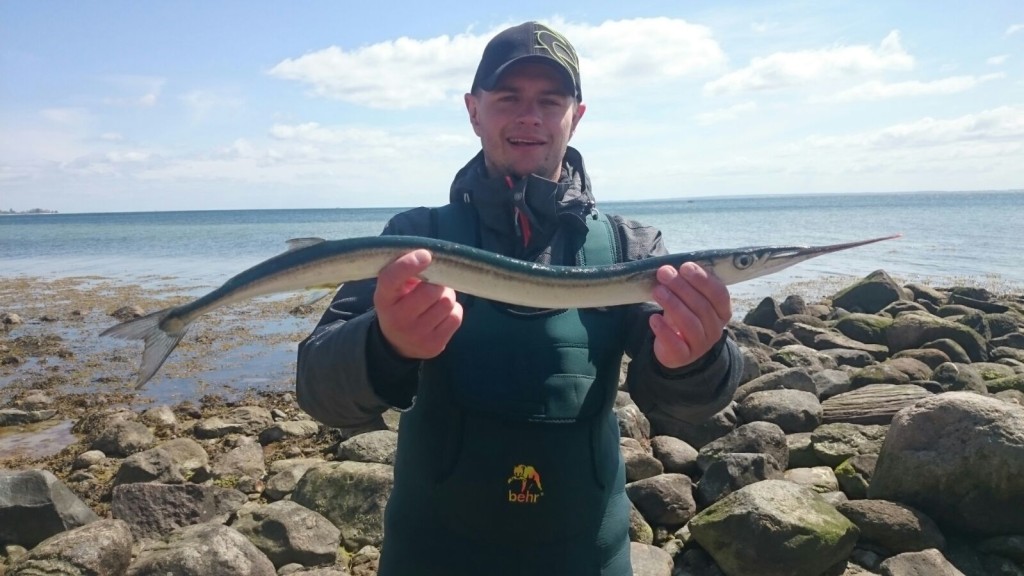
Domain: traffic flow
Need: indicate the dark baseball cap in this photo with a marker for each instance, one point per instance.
(530, 41)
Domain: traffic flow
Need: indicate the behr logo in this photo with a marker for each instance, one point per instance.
(526, 479)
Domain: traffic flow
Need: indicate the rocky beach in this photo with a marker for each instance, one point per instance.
(879, 430)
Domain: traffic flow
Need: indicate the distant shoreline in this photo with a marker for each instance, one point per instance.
(32, 212)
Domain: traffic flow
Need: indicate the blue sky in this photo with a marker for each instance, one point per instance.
(125, 106)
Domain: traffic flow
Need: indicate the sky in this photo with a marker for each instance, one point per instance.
(194, 105)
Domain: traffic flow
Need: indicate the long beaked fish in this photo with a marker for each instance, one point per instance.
(312, 262)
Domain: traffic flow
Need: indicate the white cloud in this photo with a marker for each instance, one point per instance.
(407, 73)
(876, 90)
(997, 60)
(134, 91)
(70, 117)
(202, 103)
(1013, 29)
(785, 69)
(725, 114)
(1003, 124)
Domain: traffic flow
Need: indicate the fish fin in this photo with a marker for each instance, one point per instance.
(297, 243)
(318, 293)
(158, 342)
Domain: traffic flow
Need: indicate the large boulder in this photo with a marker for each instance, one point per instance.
(876, 291)
(958, 457)
(916, 329)
(203, 550)
(774, 528)
(101, 548)
(35, 505)
(352, 495)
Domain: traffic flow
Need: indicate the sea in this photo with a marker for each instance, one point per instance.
(947, 238)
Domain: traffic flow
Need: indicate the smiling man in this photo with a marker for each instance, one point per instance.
(508, 456)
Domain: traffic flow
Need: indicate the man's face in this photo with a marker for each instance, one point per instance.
(525, 123)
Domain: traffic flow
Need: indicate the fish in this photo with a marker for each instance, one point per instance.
(316, 263)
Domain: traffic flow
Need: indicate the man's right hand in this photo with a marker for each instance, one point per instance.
(417, 318)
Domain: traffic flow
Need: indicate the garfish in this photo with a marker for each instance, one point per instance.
(317, 263)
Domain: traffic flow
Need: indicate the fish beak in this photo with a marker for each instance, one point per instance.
(792, 254)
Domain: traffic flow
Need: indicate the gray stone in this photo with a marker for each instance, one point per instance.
(639, 462)
(774, 528)
(35, 505)
(288, 430)
(155, 510)
(923, 563)
(378, 446)
(649, 560)
(895, 527)
(285, 475)
(154, 465)
(854, 475)
(791, 410)
(352, 495)
(821, 479)
(787, 379)
(124, 438)
(101, 548)
(730, 472)
(834, 443)
(665, 500)
(915, 329)
(675, 455)
(203, 550)
(872, 404)
(247, 420)
(958, 457)
(287, 532)
(756, 437)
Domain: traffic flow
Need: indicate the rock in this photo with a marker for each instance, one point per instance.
(958, 457)
(155, 510)
(649, 560)
(285, 475)
(895, 527)
(877, 374)
(16, 417)
(378, 446)
(203, 550)
(915, 329)
(865, 328)
(949, 348)
(788, 379)
(352, 495)
(876, 291)
(125, 313)
(801, 451)
(287, 532)
(821, 479)
(829, 383)
(764, 315)
(834, 443)
(88, 458)
(244, 460)
(930, 356)
(700, 433)
(35, 505)
(872, 404)
(854, 475)
(665, 500)
(734, 471)
(10, 320)
(774, 528)
(160, 417)
(639, 462)
(923, 563)
(633, 423)
(189, 456)
(800, 356)
(124, 438)
(247, 420)
(639, 529)
(1011, 547)
(290, 429)
(792, 410)
(756, 437)
(101, 548)
(154, 465)
(953, 377)
(675, 455)
(1015, 382)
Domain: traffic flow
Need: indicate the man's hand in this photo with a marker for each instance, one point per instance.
(416, 317)
(696, 307)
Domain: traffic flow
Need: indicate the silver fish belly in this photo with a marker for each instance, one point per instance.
(318, 263)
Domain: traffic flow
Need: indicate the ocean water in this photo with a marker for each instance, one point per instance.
(948, 238)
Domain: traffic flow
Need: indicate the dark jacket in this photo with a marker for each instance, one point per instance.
(348, 374)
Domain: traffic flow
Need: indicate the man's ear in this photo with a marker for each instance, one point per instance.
(472, 108)
(581, 108)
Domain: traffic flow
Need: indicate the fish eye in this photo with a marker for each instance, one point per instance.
(743, 261)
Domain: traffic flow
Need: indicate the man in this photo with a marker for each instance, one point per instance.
(508, 455)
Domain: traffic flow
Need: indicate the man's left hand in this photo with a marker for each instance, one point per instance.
(696, 307)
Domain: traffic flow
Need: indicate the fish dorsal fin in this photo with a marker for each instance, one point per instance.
(297, 243)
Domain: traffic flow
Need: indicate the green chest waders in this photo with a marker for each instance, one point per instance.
(508, 463)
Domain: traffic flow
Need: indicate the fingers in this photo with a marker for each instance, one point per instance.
(696, 307)
(417, 318)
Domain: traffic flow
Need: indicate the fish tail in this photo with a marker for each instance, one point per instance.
(159, 341)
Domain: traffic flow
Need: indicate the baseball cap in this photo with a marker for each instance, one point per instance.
(530, 41)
